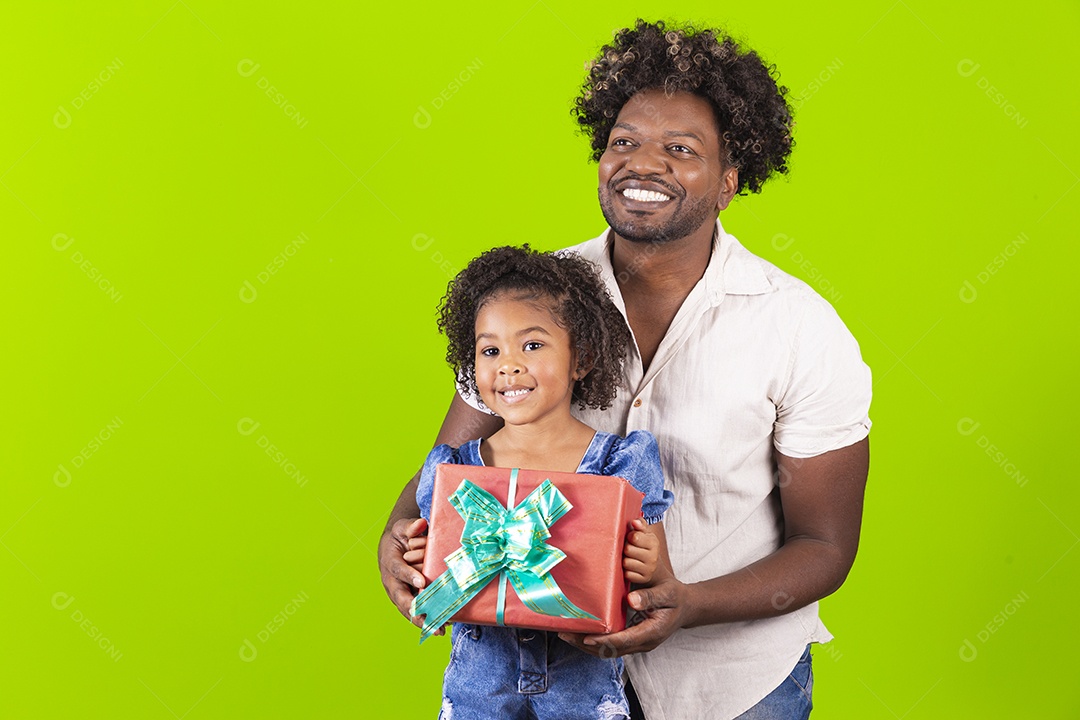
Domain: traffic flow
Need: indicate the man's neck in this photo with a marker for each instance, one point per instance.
(667, 270)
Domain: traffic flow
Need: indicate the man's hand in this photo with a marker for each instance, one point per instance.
(400, 579)
(663, 605)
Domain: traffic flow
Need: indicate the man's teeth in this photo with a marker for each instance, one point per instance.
(515, 393)
(644, 195)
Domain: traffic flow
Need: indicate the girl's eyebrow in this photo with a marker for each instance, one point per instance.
(526, 331)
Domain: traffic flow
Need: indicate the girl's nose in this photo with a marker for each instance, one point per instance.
(510, 367)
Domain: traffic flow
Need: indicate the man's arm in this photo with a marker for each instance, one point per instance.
(404, 528)
(822, 501)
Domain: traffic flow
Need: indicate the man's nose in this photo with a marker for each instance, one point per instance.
(647, 159)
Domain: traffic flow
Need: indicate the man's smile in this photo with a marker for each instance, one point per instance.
(645, 195)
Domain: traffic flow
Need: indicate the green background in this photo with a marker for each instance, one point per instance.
(196, 273)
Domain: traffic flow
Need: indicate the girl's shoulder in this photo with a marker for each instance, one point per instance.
(611, 454)
(466, 454)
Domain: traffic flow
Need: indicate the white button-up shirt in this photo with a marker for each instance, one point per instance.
(754, 360)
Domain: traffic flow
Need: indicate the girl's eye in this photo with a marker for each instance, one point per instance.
(489, 352)
(533, 345)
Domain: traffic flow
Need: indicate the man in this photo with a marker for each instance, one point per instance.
(751, 383)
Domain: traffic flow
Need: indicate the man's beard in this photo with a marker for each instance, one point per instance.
(684, 221)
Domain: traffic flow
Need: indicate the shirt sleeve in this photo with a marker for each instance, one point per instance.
(826, 399)
(438, 455)
(637, 458)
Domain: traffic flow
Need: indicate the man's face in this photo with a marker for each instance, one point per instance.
(661, 177)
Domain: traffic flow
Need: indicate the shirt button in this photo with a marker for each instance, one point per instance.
(637, 403)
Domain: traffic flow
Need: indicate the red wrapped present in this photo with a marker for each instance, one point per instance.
(527, 548)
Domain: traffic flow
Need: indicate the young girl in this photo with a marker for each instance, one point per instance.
(533, 333)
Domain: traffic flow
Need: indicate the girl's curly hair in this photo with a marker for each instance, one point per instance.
(754, 118)
(571, 289)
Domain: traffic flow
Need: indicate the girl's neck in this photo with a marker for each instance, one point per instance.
(557, 446)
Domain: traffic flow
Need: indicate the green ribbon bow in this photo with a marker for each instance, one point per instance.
(509, 543)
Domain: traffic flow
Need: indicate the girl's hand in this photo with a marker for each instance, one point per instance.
(641, 553)
(416, 547)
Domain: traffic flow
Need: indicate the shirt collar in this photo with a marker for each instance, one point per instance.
(732, 269)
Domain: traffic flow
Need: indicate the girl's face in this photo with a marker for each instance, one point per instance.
(525, 365)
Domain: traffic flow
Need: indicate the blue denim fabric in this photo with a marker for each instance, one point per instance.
(635, 458)
(792, 699)
(511, 674)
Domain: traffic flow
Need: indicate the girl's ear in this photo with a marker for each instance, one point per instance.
(584, 367)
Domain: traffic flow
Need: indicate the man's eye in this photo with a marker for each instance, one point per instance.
(681, 149)
(533, 345)
(620, 141)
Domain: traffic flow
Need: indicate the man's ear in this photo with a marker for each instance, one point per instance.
(729, 185)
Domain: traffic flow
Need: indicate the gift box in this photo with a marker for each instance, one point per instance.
(529, 549)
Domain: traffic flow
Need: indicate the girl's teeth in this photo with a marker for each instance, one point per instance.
(644, 195)
(515, 393)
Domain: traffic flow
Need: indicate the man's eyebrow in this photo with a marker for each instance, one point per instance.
(683, 133)
(669, 133)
